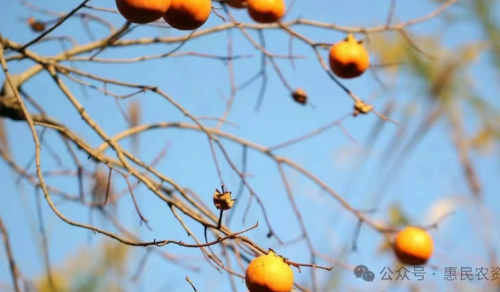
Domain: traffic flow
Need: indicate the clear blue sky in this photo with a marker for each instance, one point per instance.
(431, 174)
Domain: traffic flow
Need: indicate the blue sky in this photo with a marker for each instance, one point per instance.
(431, 174)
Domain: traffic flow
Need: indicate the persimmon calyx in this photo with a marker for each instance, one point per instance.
(300, 96)
(271, 252)
(36, 25)
(223, 200)
(350, 37)
(361, 107)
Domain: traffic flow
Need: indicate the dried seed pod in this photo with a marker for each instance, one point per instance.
(36, 25)
(223, 200)
(361, 107)
(300, 96)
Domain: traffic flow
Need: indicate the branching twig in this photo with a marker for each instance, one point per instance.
(57, 24)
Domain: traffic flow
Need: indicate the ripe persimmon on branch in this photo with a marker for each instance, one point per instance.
(348, 59)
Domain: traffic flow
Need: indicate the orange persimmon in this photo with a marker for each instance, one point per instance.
(413, 246)
(349, 58)
(238, 4)
(269, 273)
(142, 11)
(188, 14)
(266, 11)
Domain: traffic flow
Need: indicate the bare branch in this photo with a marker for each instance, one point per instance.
(61, 21)
(10, 256)
(191, 283)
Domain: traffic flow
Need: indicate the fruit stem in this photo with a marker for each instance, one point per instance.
(219, 224)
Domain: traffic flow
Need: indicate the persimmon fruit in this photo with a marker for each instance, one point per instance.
(238, 4)
(266, 11)
(269, 273)
(142, 11)
(349, 58)
(413, 246)
(188, 14)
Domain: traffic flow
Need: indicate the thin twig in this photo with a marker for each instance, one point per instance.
(191, 283)
(61, 21)
(10, 256)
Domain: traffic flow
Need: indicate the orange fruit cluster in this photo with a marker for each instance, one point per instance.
(269, 273)
(192, 14)
(413, 246)
(179, 14)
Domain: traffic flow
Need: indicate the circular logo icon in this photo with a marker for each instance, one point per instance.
(359, 270)
(368, 276)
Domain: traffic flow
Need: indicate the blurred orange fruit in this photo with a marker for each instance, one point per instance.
(413, 246)
(188, 14)
(266, 11)
(142, 11)
(238, 4)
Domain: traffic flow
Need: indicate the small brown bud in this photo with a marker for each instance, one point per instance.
(31, 20)
(300, 96)
(36, 25)
(223, 200)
